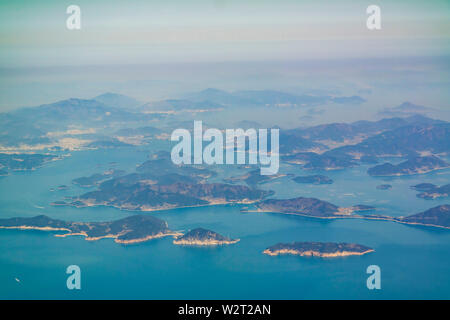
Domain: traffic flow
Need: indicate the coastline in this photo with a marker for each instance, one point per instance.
(87, 238)
(150, 237)
(312, 253)
(36, 228)
(349, 216)
(153, 209)
(409, 174)
(204, 242)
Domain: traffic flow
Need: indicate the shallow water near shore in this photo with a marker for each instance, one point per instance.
(414, 260)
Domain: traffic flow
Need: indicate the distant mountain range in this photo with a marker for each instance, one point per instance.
(118, 101)
(253, 98)
(408, 140)
(112, 120)
(406, 109)
(180, 105)
(339, 132)
(75, 110)
(364, 142)
(38, 125)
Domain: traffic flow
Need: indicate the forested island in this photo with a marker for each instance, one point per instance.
(415, 165)
(314, 179)
(318, 249)
(203, 237)
(430, 191)
(132, 229)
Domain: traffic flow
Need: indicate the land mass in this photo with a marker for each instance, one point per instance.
(338, 145)
(203, 237)
(23, 161)
(314, 179)
(435, 217)
(430, 191)
(310, 207)
(415, 165)
(301, 206)
(149, 195)
(318, 249)
(158, 184)
(314, 161)
(133, 229)
(254, 178)
(97, 178)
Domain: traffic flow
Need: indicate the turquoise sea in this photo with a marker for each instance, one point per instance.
(414, 261)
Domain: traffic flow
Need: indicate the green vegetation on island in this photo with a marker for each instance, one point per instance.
(203, 237)
(318, 249)
(132, 229)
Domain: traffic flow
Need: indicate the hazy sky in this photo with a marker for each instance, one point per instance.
(160, 44)
(33, 33)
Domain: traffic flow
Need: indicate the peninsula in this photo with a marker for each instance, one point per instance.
(435, 217)
(132, 229)
(97, 178)
(310, 207)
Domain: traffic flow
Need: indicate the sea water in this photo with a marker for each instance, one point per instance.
(414, 260)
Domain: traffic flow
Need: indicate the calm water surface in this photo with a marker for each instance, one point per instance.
(414, 261)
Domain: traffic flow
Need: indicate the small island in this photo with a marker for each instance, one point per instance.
(318, 249)
(254, 178)
(417, 165)
(132, 229)
(430, 191)
(423, 187)
(314, 179)
(203, 237)
(384, 187)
